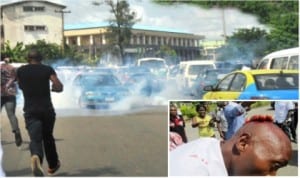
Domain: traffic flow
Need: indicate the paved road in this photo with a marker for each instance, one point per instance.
(93, 143)
(290, 170)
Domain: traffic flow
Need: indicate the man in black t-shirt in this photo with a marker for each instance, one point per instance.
(39, 112)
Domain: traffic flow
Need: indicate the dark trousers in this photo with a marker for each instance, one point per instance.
(294, 124)
(9, 102)
(40, 129)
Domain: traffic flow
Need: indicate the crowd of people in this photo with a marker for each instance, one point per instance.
(227, 137)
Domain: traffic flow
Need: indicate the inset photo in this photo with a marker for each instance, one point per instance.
(233, 138)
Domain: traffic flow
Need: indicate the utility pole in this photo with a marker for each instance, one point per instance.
(62, 12)
(224, 23)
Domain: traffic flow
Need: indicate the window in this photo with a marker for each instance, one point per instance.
(27, 8)
(238, 83)
(39, 8)
(279, 81)
(224, 84)
(35, 28)
(263, 64)
(294, 63)
(279, 63)
(33, 8)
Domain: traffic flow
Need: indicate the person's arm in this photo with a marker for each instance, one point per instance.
(57, 86)
(194, 122)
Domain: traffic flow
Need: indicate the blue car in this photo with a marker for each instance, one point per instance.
(100, 90)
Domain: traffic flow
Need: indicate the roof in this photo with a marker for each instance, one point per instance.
(284, 52)
(25, 1)
(268, 71)
(136, 27)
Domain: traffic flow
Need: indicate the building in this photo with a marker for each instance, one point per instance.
(145, 41)
(30, 20)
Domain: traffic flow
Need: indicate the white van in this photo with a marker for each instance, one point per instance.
(283, 59)
(157, 66)
(189, 71)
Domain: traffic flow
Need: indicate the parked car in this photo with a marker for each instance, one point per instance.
(188, 71)
(256, 84)
(283, 59)
(99, 90)
(157, 66)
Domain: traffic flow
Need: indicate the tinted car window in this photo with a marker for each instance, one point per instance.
(277, 81)
(224, 84)
(294, 62)
(263, 64)
(279, 63)
(195, 69)
(238, 83)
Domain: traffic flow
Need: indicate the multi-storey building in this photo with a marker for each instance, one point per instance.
(144, 40)
(30, 20)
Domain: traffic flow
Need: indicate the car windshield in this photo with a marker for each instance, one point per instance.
(98, 80)
(195, 69)
(276, 81)
(155, 64)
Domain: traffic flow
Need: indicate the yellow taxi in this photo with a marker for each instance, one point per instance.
(255, 84)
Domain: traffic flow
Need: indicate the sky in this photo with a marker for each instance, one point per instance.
(181, 17)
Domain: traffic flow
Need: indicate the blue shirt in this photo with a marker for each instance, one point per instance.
(235, 116)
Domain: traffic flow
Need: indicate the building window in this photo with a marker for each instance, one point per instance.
(33, 8)
(147, 40)
(35, 28)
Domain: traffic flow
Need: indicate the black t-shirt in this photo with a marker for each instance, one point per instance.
(34, 82)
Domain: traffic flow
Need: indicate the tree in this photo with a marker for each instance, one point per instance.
(167, 53)
(16, 54)
(245, 45)
(119, 31)
(282, 16)
(50, 51)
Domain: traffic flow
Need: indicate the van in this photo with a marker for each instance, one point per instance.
(157, 66)
(188, 71)
(283, 59)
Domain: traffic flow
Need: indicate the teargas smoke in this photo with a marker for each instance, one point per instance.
(113, 88)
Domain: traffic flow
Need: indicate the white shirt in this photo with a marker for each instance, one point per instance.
(281, 110)
(201, 157)
(2, 174)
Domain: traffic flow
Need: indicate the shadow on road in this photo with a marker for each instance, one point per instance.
(17, 173)
(106, 171)
(294, 160)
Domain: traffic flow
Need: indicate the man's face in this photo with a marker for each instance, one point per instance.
(263, 158)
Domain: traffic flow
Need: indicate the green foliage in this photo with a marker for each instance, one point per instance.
(245, 45)
(281, 16)
(17, 54)
(166, 52)
(188, 110)
(120, 26)
(50, 51)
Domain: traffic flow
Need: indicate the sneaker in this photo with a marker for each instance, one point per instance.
(51, 171)
(36, 167)
(18, 139)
